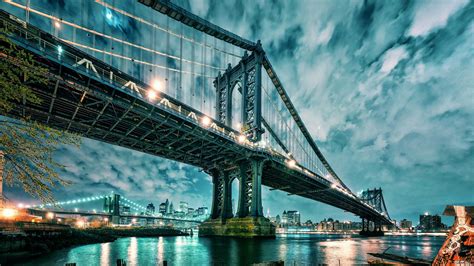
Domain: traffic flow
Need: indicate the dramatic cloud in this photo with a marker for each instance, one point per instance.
(386, 89)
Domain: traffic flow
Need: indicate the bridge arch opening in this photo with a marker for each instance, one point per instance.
(234, 187)
(236, 105)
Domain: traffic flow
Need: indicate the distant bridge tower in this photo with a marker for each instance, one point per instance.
(373, 225)
(112, 206)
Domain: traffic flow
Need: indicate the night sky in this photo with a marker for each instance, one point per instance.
(385, 87)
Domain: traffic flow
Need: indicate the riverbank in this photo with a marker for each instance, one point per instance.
(21, 247)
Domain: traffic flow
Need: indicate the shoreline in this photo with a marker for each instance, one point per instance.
(18, 248)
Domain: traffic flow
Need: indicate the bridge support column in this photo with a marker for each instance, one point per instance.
(366, 228)
(245, 186)
(257, 170)
(249, 220)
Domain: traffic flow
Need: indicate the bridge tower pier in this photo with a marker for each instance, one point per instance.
(112, 206)
(248, 220)
(371, 227)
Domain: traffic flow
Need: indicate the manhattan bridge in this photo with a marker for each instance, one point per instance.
(150, 76)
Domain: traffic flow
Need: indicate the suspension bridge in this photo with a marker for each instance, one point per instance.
(151, 76)
(114, 207)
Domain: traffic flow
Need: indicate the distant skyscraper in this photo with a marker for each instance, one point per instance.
(183, 206)
(170, 209)
(405, 224)
(150, 209)
(202, 211)
(430, 222)
(291, 218)
(163, 209)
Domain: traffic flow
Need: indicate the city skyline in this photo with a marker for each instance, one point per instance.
(377, 108)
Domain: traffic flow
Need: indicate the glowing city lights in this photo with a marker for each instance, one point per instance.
(9, 213)
(334, 186)
(242, 138)
(50, 215)
(80, 223)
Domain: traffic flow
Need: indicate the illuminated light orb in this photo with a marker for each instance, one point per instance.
(151, 94)
(206, 121)
(50, 215)
(109, 15)
(21, 206)
(80, 223)
(57, 24)
(241, 138)
(156, 85)
(9, 213)
(292, 163)
(333, 186)
(106, 219)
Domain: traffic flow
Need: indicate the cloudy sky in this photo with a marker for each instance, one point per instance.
(386, 89)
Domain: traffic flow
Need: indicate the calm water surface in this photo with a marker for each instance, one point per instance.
(293, 249)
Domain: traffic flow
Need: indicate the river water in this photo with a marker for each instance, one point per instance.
(293, 249)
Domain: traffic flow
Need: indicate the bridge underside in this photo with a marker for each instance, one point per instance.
(81, 101)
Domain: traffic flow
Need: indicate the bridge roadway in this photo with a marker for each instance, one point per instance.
(86, 96)
(42, 212)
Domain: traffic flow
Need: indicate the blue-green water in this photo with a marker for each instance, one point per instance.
(293, 249)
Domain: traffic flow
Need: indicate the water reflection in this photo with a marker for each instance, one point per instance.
(105, 254)
(299, 250)
(133, 251)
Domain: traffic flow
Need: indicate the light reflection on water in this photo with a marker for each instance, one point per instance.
(293, 249)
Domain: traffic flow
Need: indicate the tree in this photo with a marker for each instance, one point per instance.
(27, 146)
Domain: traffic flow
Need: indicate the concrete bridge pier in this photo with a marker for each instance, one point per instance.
(371, 227)
(249, 220)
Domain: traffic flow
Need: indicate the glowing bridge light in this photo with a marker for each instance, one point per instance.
(206, 121)
(157, 85)
(334, 186)
(291, 163)
(151, 95)
(76, 210)
(242, 138)
(50, 215)
(57, 25)
(60, 49)
(108, 15)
